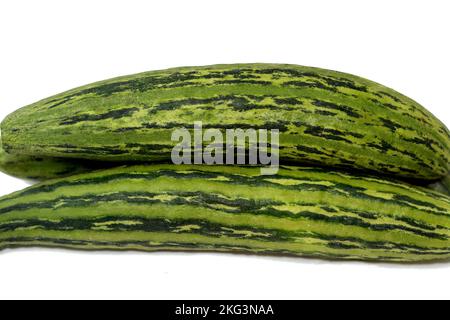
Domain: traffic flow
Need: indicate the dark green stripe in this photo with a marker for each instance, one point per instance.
(203, 200)
(257, 181)
(114, 114)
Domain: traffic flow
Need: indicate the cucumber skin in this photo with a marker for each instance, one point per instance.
(46, 168)
(326, 118)
(307, 212)
(42, 169)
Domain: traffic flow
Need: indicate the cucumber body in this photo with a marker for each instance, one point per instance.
(325, 118)
(301, 211)
(45, 168)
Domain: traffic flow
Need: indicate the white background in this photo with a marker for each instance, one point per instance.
(50, 46)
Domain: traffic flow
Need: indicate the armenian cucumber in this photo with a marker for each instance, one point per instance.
(301, 211)
(325, 118)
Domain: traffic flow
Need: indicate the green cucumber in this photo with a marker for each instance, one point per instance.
(302, 211)
(45, 168)
(325, 118)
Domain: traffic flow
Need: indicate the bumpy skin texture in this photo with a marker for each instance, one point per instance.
(301, 211)
(325, 118)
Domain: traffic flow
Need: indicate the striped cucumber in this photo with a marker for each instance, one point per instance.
(302, 211)
(325, 118)
(45, 168)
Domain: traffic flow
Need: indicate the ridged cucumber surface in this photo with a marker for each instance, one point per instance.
(325, 118)
(301, 211)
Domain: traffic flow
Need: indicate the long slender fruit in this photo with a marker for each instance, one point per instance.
(325, 118)
(301, 211)
(45, 168)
